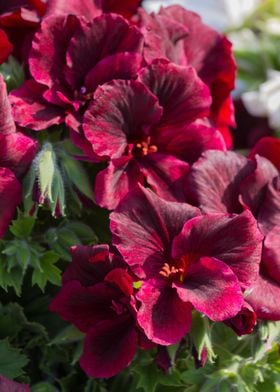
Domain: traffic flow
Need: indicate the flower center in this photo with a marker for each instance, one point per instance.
(177, 269)
(144, 148)
(172, 272)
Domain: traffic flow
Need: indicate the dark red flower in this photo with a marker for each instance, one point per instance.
(268, 147)
(147, 130)
(10, 197)
(186, 260)
(5, 46)
(7, 385)
(228, 182)
(16, 149)
(97, 297)
(245, 320)
(180, 36)
(92, 8)
(68, 60)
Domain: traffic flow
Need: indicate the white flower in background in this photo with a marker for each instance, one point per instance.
(266, 101)
(219, 14)
(244, 39)
(272, 26)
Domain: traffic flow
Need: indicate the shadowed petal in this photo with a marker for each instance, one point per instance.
(253, 188)
(107, 35)
(189, 143)
(17, 152)
(183, 96)
(84, 306)
(269, 212)
(165, 174)
(114, 182)
(10, 197)
(117, 66)
(264, 298)
(164, 317)
(271, 255)
(214, 180)
(90, 264)
(109, 347)
(7, 124)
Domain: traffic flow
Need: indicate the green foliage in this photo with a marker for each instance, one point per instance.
(12, 361)
(13, 73)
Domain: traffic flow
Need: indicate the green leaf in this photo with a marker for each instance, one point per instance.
(22, 227)
(13, 73)
(12, 278)
(48, 272)
(11, 360)
(77, 175)
(201, 334)
(68, 335)
(149, 377)
(43, 387)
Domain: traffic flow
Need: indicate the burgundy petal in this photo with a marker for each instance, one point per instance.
(17, 152)
(109, 347)
(183, 96)
(7, 124)
(212, 288)
(47, 57)
(269, 212)
(31, 110)
(121, 279)
(5, 46)
(114, 182)
(10, 197)
(84, 306)
(126, 7)
(244, 322)
(188, 143)
(7, 385)
(107, 35)
(165, 175)
(164, 317)
(214, 180)
(117, 66)
(264, 298)
(253, 188)
(268, 147)
(122, 111)
(271, 255)
(235, 240)
(209, 52)
(86, 8)
(144, 225)
(163, 37)
(90, 264)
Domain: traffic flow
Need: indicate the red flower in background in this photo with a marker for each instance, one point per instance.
(16, 154)
(179, 35)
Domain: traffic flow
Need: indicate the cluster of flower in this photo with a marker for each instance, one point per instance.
(194, 226)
